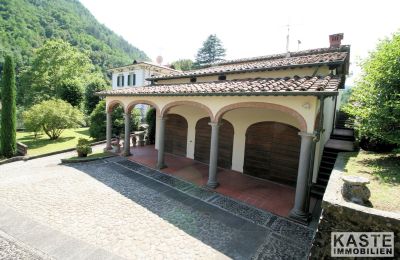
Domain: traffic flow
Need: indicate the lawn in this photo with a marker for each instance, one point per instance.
(383, 171)
(43, 144)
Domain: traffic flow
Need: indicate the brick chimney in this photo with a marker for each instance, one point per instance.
(335, 40)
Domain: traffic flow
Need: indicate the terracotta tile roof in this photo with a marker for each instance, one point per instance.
(260, 86)
(304, 58)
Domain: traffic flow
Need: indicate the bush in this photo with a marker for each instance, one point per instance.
(83, 147)
(98, 122)
(71, 92)
(53, 116)
(376, 145)
(8, 142)
(151, 121)
(91, 100)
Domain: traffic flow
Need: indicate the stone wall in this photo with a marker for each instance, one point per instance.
(339, 215)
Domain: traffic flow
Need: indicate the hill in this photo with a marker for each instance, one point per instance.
(27, 24)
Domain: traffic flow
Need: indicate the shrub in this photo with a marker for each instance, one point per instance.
(376, 144)
(90, 99)
(151, 121)
(54, 117)
(8, 142)
(98, 122)
(83, 147)
(71, 92)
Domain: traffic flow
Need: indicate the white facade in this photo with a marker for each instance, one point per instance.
(140, 70)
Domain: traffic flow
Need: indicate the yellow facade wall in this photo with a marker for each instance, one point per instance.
(322, 71)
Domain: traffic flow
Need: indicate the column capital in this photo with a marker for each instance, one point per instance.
(214, 124)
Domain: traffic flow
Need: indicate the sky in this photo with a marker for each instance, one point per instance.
(176, 29)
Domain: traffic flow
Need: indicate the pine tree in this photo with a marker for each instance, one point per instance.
(8, 141)
(211, 51)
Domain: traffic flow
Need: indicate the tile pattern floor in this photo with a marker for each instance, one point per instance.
(263, 194)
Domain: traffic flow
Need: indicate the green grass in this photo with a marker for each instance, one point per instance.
(383, 171)
(41, 145)
(92, 156)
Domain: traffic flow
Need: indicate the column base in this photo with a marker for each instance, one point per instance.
(127, 154)
(212, 185)
(161, 166)
(300, 217)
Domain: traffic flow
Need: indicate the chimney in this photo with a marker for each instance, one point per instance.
(335, 40)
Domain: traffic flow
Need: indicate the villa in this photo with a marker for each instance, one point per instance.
(268, 117)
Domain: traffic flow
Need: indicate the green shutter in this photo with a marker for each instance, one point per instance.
(118, 81)
(133, 79)
(129, 80)
(123, 78)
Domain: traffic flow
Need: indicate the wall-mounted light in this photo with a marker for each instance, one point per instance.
(306, 105)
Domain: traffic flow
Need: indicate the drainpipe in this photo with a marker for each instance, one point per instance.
(334, 116)
(318, 133)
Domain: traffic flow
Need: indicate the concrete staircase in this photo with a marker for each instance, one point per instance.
(341, 140)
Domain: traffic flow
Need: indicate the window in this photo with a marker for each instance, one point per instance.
(194, 79)
(222, 77)
(120, 81)
(133, 75)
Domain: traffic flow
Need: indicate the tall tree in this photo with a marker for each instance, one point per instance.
(375, 100)
(55, 65)
(211, 51)
(8, 112)
(91, 100)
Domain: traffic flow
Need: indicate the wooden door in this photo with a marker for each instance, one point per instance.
(272, 152)
(225, 142)
(175, 135)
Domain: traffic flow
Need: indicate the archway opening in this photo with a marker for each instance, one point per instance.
(272, 152)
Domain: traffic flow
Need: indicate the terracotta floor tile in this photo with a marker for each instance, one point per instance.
(267, 195)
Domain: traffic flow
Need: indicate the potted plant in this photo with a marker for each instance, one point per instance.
(83, 147)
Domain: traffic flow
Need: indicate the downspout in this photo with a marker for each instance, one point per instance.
(334, 116)
(318, 132)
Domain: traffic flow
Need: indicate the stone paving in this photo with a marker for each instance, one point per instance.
(13, 249)
(134, 212)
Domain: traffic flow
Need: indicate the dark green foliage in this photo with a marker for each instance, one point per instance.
(27, 24)
(375, 100)
(83, 147)
(212, 51)
(98, 121)
(151, 121)
(71, 92)
(91, 100)
(183, 65)
(8, 143)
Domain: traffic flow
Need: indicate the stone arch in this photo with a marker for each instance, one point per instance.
(300, 119)
(189, 103)
(137, 102)
(112, 104)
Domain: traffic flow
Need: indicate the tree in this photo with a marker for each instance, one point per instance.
(71, 91)
(91, 100)
(184, 65)
(375, 100)
(54, 117)
(212, 51)
(98, 122)
(151, 121)
(55, 64)
(8, 125)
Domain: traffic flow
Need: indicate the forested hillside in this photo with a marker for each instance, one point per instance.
(27, 24)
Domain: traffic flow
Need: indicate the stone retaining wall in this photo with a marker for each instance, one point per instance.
(339, 215)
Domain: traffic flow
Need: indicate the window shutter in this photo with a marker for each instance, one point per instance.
(123, 78)
(118, 81)
(133, 79)
(129, 80)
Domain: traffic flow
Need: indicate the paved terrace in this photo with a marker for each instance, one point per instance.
(118, 209)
